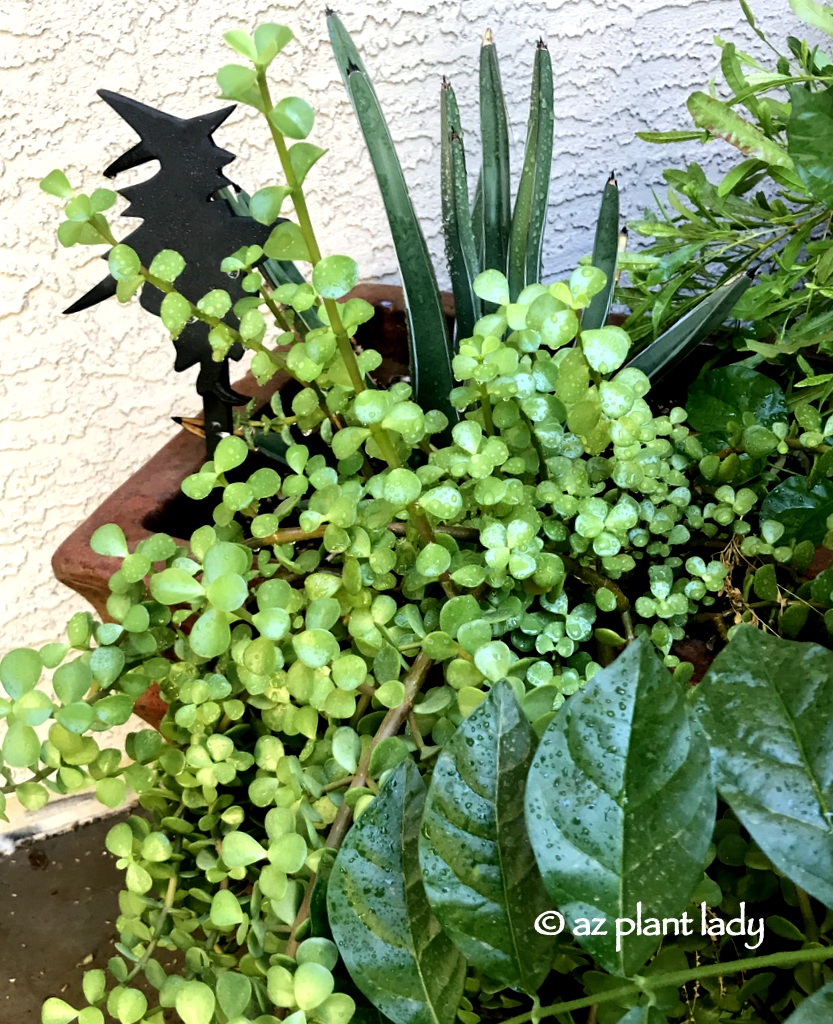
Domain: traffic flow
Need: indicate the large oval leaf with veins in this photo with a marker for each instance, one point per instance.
(477, 863)
(620, 804)
(767, 705)
(382, 923)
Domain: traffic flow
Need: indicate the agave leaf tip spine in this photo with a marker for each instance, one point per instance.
(488, 38)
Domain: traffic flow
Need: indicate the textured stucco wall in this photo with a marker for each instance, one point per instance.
(85, 399)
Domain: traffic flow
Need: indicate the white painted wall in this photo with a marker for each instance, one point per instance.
(85, 399)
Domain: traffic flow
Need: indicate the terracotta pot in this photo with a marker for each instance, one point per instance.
(151, 501)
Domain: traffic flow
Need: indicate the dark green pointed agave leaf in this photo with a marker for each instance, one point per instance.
(382, 923)
(531, 203)
(620, 804)
(494, 139)
(427, 328)
(673, 345)
(460, 247)
(767, 705)
(605, 254)
(478, 867)
(817, 1009)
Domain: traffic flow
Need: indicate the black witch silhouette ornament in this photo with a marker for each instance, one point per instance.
(180, 210)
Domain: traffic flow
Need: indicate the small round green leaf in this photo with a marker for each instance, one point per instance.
(606, 348)
(240, 849)
(175, 313)
(76, 718)
(56, 184)
(195, 1003)
(109, 540)
(293, 117)
(228, 592)
(33, 708)
(210, 635)
(313, 984)
(335, 276)
(315, 647)
(269, 40)
(56, 1011)
(20, 671)
(72, 680)
(492, 286)
(265, 205)
(226, 911)
(123, 262)
(288, 852)
(21, 746)
(234, 990)
(167, 265)
(230, 453)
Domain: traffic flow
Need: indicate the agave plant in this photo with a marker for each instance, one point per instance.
(490, 233)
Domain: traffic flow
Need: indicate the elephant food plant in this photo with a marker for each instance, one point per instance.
(413, 623)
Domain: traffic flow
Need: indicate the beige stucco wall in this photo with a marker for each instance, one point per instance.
(85, 399)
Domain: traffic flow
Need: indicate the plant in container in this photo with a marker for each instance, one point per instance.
(428, 753)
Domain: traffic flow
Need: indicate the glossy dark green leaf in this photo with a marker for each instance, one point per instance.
(531, 203)
(810, 140)
(605, 253)
(767, 705)
(801, 509)
(382, 923)
(460, 247)
(620, 804)
(817, 1009)
(671, 347)
(494, 140)
(430, 345)
(477, 218)
(478, 867)
(727, 393)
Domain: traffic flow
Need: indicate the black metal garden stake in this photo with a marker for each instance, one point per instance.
(180, 210)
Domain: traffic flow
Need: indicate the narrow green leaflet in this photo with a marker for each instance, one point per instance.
(532, 200)
(381, 921)
(671, 347)
(605, 253)
(478, 867)
(494, 139)
(723, 122)
(460, 248)
(767, 705)
(810, 139)
(630, 827)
